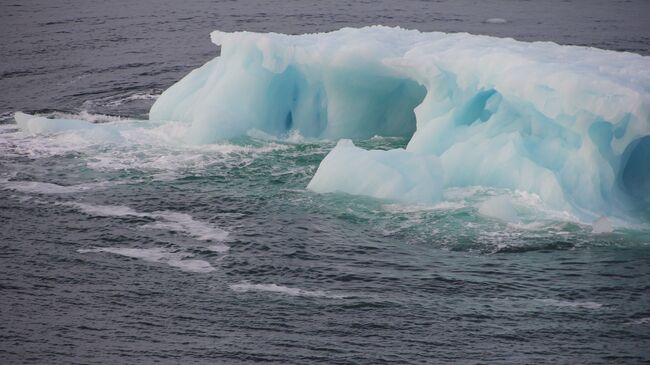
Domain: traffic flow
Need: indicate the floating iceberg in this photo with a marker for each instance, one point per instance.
(569, 124)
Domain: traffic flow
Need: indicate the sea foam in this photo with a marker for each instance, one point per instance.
(182, 261)
(164, 220)
(280, 289)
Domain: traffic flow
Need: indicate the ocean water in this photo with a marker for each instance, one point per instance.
(149, 250)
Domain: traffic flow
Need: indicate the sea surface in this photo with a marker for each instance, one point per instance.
(149, 250)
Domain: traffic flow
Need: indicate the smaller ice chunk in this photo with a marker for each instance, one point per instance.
(32, 124)
(602, 225)
(394, 175)
(499, 207)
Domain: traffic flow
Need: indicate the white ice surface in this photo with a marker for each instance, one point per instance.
(394, 174)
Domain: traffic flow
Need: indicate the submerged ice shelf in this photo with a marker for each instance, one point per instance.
(569, 124)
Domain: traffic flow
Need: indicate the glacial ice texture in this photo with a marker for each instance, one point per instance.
(569, 124)
(394, 175)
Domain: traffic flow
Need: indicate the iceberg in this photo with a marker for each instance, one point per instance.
(569, 124)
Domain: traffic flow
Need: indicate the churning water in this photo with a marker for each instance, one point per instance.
(146, 249)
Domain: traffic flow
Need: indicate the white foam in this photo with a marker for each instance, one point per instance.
(134, 97)
(280, 289)
(464, 193)
(499, 207)
(570, 304)
(404, 208)
(378, 138)
(144, 96)
(517, 208)
(220, 248)
(496, 21)
(158, 255)
(107, 210)
(49, 188)
(191, 265)
(292, 136)
(118, 100)
(162, 149)
(147, 254)
(165, 220)
(87, 116)
(185, 223)
(153, 146)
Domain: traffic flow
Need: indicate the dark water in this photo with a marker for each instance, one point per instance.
(150, 251)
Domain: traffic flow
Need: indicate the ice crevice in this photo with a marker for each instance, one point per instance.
(569, 124)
